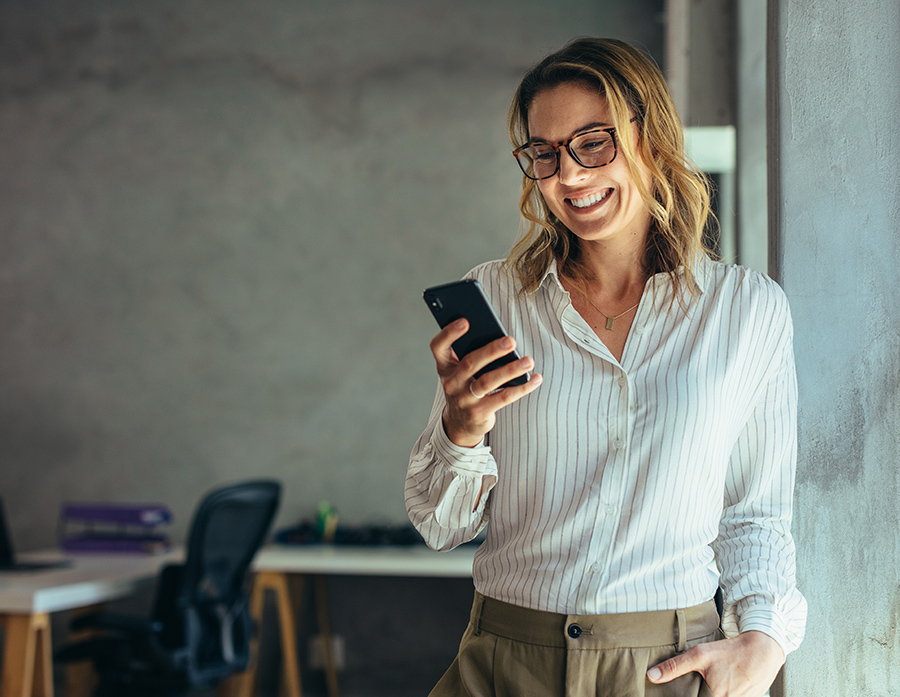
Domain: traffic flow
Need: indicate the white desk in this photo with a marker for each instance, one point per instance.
(366, 561)
(28, 597)
(275, 566)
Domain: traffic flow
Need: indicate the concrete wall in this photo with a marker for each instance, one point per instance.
(216, 221)
(751, 178)
(839, 258)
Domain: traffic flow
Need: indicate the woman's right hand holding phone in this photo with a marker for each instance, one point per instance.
(472, 403)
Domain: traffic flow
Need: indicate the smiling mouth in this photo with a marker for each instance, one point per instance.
(588, 201)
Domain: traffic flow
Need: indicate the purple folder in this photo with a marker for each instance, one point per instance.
(114, 527)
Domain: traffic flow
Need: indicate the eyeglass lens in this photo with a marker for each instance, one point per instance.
(593, 149)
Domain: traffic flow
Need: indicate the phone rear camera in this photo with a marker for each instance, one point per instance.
(435, 303)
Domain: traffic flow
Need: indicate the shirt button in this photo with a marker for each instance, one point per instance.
(618, 444)
(574, 631)
(623, 381)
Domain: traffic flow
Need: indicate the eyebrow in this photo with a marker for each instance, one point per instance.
(597, 125)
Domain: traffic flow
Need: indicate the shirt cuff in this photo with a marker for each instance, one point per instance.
(467, 461)
(785, 625)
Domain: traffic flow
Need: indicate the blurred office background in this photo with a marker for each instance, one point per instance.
(216, 221)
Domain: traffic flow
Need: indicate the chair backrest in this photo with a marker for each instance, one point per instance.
(228, 528)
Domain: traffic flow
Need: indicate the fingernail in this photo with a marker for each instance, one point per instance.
(507, 342)
(654, 673)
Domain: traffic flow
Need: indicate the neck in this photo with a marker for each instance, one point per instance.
(616, 269)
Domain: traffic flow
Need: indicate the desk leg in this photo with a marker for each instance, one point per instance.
(27, 660)
(287, 616)
(325, 633)
(80, 676)
(243, 685)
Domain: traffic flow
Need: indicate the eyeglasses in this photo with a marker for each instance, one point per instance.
(592, 149)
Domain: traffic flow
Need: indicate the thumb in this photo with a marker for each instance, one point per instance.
(675, 667)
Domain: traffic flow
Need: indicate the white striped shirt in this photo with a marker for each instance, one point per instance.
(621, 486)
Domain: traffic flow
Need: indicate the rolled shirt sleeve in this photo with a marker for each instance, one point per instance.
(755, 549)
(447, 486)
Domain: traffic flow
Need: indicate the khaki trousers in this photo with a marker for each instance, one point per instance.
(509, 651)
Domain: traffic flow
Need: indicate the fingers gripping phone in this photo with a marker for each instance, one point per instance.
(452, 301)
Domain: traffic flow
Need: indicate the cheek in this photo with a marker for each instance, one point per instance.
(545, 190)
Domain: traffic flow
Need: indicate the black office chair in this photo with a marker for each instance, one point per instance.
(200, 628)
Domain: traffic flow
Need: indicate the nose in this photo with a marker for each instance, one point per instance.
(570, 170)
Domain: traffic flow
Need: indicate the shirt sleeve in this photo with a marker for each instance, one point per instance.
(755, 549)
(448, 486)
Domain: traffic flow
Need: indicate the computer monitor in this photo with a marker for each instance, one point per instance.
(8, 560)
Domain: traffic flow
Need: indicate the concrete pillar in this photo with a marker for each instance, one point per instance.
(751, 193)
(701, 60)
(837, 255)
(701, 68)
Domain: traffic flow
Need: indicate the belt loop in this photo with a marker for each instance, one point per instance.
(477, 610)
(680, 631)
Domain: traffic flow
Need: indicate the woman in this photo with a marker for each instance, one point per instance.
(651, 461)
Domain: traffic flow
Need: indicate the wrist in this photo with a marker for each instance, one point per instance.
(761, 643)
(460, 438)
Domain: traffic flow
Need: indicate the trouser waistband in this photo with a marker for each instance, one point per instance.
(625, 630)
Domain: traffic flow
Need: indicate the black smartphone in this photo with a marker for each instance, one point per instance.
(452, 301)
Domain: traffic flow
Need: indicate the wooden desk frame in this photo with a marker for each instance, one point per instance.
(287, 590)
(27, 656)
(27, 600)
(284, 570)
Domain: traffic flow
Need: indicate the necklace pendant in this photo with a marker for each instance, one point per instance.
(609, 322)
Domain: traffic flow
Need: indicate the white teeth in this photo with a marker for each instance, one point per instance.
(588, 200)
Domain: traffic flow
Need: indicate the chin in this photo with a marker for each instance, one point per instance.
(589, 233)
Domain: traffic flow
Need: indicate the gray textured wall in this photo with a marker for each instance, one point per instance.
(839, 251)
(217, 220)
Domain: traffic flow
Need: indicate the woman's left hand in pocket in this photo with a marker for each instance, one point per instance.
(744, 666)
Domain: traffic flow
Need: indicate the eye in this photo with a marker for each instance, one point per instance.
(543, 154)
(593, 143)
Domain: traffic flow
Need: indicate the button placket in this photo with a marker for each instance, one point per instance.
(605, 491)
(618, 442)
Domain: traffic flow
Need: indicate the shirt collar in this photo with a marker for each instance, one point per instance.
(552, 271)
(702, 272)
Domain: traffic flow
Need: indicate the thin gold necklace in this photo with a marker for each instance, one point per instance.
(609, 320)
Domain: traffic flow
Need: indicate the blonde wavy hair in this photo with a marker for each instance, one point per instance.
(679, 199)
